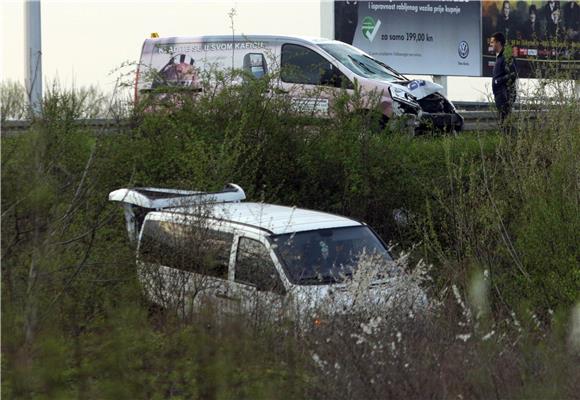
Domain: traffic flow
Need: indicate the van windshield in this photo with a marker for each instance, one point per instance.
(327, 255)
(360, 63)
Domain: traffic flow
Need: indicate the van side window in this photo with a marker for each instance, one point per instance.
(254, 266)
(302, 65)
(186, 247)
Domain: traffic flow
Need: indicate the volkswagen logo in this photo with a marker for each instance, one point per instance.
(463, 49)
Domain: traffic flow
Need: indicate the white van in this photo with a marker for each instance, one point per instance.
(312, 71)
(197, 250)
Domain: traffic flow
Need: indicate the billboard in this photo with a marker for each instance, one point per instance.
(415, 37)
(540, 33)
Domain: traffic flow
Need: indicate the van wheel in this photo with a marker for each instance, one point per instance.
(383, 122)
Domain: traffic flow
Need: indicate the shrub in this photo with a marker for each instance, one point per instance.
(504, 207)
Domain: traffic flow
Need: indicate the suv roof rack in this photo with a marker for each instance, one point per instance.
(159, 198)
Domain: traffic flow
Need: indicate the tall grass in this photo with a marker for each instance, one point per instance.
(495, 215)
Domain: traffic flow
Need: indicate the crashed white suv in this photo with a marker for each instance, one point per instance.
(199, 249)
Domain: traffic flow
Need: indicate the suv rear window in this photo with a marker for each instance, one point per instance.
(186, 247)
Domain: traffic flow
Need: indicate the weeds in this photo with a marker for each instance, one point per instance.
(495, 216)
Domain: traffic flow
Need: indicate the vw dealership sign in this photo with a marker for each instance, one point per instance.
(452, 37)
(415, 37)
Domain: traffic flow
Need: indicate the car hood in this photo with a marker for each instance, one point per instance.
(351, 298)
(418, 88)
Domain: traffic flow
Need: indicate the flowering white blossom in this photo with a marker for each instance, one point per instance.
(359, 338)
(488, 335)
(465, 310)
(516, 322)
(318, 361)
(465, 337)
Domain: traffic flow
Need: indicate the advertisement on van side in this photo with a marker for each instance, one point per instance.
(178, 62)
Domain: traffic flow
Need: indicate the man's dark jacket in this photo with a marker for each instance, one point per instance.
(504, 80)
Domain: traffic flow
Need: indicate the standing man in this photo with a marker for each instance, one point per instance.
(504, 78)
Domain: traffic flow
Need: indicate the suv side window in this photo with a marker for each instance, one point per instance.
(254, 266)
(186, 247)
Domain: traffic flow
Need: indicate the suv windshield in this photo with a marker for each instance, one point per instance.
(327, 255)
(361, 64)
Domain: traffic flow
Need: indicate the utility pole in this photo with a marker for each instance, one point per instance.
(33, 55)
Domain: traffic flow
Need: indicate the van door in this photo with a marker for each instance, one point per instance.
(257, 280)
(311, 80)
(185, 267)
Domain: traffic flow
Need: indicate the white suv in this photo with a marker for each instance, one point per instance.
(199, 249)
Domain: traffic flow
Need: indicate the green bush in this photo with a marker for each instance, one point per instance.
(73, 321)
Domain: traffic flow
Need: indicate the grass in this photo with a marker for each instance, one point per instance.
(496, 217)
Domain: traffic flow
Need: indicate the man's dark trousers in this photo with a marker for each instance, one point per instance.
(503, 104)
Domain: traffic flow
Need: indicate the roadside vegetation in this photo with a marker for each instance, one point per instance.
(489, 221)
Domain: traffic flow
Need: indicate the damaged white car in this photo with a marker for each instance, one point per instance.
(311, 72)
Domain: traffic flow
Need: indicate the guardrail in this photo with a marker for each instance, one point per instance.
(479, 117)
(526, 104)
(473, 105)
(13, 127)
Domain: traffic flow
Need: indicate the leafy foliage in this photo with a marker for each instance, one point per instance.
(505, 207)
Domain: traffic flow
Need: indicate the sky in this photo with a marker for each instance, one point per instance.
(84, 42)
